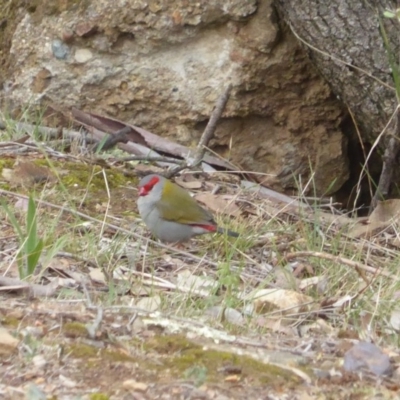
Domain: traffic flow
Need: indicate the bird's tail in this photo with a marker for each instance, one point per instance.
(227, 232)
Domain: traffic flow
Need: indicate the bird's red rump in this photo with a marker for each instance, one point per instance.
(145, 189)
(211, 228)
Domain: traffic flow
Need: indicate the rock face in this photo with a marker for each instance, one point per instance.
(161, 64)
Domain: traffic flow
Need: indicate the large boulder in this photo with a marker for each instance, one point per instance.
(162, 65)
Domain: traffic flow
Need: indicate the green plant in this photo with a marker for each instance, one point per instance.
(31, 246)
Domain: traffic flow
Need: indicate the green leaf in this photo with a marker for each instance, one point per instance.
(101, 144)
(389, 14)
(33, 257)
(21, 263)
(31, 226)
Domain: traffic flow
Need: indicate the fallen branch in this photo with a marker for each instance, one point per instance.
(119, 137)
(142, 142)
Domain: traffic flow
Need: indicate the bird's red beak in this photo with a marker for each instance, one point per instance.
(143, 191)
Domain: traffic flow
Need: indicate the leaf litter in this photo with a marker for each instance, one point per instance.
(127, 316)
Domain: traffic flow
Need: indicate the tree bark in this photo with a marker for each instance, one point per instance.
(348, 49)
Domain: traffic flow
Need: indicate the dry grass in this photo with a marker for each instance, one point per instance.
(109, 262)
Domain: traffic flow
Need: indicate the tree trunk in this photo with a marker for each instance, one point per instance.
(346, 44)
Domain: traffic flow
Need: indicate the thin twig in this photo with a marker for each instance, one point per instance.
(207, 134)
(389, 164)
(364, 170)
(171, 173)
(151, 159)
(354, 264)
(75, 257)
(93, 327)
(212, 125)
(378, 139)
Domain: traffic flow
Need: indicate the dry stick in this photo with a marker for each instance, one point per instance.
(52, 133)
(392, 148)
(389, 164)
(364, 171)
(212, 125)
(207, 134)
(33, 289)
(356, 265)
(112, 226)
(147, 158)
(112, 140)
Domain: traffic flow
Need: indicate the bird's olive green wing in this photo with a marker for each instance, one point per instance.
(181, 207)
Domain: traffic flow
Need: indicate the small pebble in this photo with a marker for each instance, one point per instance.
(60, 50)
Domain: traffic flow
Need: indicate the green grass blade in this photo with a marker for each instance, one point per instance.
(31, 226)
(392, 60)
(33, 257)
(16, 225)
(21, 263)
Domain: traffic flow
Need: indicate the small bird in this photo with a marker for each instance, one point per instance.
(171, 214)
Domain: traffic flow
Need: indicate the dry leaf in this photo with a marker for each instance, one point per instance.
(386, 211)
(97, 275)
(173, 262)
(192, 282)
(318, 327)
(232, 378)
(189, 185)
(385, 214)
(149, 304)
(343, 301)
(233, 316)
(276, 325)
(219, 204)
(287, 301)
(131, 384)
(221, 176)
(313, 281)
